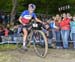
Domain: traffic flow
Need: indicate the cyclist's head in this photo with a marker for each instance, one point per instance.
(31, 7)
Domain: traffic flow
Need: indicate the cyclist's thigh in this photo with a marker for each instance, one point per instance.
(25, 28)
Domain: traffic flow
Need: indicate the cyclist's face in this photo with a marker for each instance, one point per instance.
(31, 10)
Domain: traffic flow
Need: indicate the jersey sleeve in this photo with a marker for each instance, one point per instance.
(23, 13)
(34, 15)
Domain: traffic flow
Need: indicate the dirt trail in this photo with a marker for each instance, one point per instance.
(54, 55)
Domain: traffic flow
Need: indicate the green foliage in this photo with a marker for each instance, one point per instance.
(43, 6)
(5, 5)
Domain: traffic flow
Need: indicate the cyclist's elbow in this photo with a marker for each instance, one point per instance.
(20, 19)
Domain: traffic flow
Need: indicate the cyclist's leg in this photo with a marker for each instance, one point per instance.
(25, 33)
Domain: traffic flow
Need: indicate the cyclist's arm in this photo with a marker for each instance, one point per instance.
(20, 20)
(46, 25)
(21, 16)
(35, 17)
(38, 20)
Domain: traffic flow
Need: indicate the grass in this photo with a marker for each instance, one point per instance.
(7, 47)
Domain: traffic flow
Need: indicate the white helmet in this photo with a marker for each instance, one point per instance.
(32, 6)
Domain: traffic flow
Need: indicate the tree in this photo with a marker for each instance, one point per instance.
(13, 12)
(43, 6)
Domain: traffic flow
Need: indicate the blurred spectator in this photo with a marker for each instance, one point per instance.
(65, 28)
(69, 16)
(49, 32)
(6, 32)
(6, 21)
(1, 19)
(52, 24)
(57, 31)
(72, 26)
(1, 33)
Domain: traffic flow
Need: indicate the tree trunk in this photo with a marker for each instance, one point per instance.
(13, 12)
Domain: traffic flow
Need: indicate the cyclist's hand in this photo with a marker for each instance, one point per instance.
(45, 25)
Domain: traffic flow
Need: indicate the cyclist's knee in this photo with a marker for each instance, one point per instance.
(25, 31)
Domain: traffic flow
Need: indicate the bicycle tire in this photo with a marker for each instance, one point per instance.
(42, 54)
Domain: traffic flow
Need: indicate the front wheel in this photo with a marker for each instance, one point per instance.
(40, 43)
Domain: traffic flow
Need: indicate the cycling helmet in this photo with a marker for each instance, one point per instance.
(32, 6)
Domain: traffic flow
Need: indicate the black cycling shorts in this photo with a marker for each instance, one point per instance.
(26, 27)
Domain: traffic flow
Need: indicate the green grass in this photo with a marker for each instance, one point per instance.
(7, 46)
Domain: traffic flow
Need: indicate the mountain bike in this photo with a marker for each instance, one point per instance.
(39, 39)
